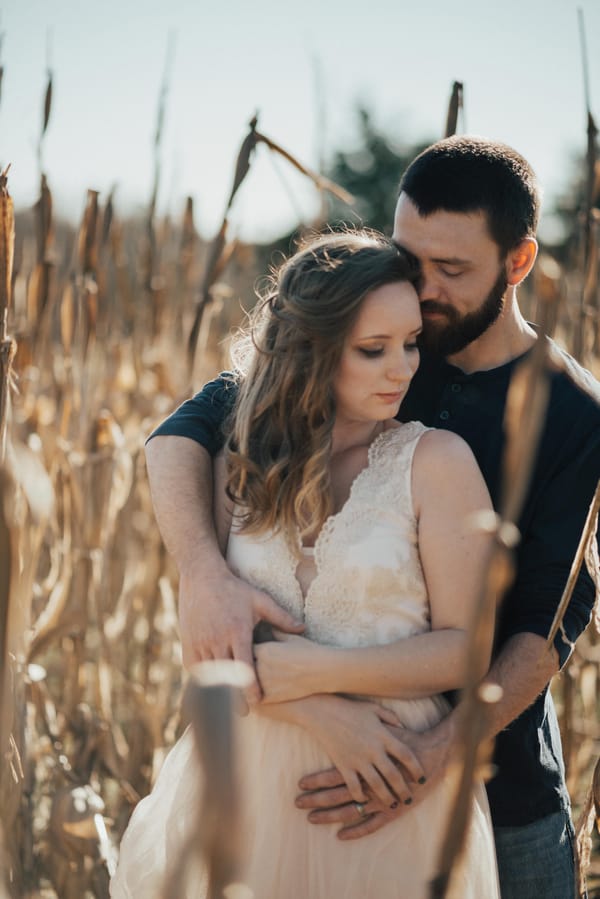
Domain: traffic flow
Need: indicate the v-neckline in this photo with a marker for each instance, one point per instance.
(330, 523)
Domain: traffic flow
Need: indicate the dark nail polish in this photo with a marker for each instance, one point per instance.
(395, 804)
(407, 801)
(422, 780)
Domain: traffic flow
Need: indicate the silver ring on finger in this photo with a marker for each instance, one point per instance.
(360, 808)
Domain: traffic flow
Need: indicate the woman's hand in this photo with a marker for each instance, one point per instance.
(287, 665)
(357, 739)
(328, 801)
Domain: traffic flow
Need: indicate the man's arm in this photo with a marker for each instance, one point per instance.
(217, 611)
(523, 669)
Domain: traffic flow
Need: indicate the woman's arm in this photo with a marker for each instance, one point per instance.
(448, 492)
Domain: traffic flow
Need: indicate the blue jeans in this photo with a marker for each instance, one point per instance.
(537, 861)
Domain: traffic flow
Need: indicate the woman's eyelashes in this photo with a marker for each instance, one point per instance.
(375, 352)
(370, 352)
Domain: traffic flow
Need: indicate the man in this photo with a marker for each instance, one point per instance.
(468, 210)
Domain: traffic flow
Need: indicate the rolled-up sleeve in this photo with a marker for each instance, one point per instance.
(201, 417)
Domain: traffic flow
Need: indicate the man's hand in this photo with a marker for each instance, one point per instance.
(217, 611)
(331, 803)
(217, 614)
(327, 799)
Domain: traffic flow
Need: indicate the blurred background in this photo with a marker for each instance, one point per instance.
(305, 68)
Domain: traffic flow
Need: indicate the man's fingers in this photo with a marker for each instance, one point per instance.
(355, 824)
(267, 609)
(342, 814)
(363, 827)
(321, 780)
(242, 652)
(324, 799)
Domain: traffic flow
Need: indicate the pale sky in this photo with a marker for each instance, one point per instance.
(520, 63)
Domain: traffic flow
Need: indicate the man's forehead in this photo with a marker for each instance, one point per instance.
(444, 233)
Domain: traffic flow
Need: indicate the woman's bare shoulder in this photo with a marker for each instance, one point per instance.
(444, 466)
(442, 447)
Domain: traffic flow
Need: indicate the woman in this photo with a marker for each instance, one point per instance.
(363, 527)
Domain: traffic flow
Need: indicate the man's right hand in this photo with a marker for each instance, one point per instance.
(217, 611)
(217, 614)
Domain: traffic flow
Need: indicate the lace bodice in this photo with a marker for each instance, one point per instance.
(368, 586)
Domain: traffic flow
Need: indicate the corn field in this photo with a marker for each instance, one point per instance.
(104, 331)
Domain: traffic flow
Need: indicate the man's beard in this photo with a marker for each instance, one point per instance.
(452, 336)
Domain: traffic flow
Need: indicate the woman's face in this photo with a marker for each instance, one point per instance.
(380, 355)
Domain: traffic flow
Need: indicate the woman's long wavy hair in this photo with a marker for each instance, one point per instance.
(279, 433)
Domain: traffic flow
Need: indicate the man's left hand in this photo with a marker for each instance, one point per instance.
(328, 801)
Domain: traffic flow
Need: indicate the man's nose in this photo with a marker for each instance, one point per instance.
(428, 287)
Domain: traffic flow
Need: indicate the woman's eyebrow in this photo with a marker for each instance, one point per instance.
(386, 336)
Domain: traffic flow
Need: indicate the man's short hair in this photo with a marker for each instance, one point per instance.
(471, 174)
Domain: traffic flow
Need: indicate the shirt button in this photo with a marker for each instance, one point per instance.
(445, 415)
(456, 388)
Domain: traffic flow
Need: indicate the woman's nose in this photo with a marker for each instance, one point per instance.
(401, 370)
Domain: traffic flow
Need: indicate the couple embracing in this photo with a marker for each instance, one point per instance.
(348, 461)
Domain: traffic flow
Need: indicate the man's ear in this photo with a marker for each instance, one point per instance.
(519, 261)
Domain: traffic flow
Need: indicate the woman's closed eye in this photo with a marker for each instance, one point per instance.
(371, 352)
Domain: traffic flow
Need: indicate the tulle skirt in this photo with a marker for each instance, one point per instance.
(285, 856)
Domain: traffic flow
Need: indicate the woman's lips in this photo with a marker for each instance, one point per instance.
(390, 397)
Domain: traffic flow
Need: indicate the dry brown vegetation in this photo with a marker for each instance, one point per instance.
(89, 649)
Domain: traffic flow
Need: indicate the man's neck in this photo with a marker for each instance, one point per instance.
(510, 336)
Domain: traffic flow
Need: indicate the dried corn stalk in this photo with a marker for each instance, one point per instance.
(8, 346)
(589, 244)
(455, 105)
(219, 252)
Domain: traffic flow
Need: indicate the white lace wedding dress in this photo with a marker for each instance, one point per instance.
(366, 587)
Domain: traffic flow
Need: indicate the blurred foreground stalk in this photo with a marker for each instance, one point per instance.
(211, 698)
(25, 497)
(525, 412)
(7, 547)
(8, 346)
